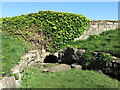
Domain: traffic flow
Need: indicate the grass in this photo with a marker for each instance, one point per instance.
(105, 42)
(12, 49)
(33, 78)
(48, 66)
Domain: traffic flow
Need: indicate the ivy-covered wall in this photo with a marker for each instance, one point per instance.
(59, 27)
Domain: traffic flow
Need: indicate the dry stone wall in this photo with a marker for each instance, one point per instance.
(26, 60)
(9, 82)
(96, 27)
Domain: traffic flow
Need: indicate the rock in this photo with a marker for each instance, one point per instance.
(60, 55)
(116, 65)
(116, 61)
(8, 82)
(18, 83)
(45, 54)
(33, 51)
(41, 67)
(75, 50)
(41, 60)
(115, 58)
(69, 56)
(30, 63)
(45, 70)
(43, 50)
(73, 65)
(20, 67)
(29, 57)
(100, 71)
(38, 65)
(94, 53)
(61, 67)
(37, 57)
(56, 54)
(42, 64)
(80, 52)
(26, 56)
(76, 66)
(110, 64)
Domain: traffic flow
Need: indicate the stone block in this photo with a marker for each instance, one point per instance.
(109, 23)
(109, 64)
(26, 56)
(94, 26)
(56, 54)
(116, 23)
(61, 67)
(45, 54)
(80, 52)
(33, 51)
(45, 70)
(8, 82)
(76, 66)
(19, 68)
(43, 51)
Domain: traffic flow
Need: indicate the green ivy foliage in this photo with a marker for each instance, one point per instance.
(59, 26)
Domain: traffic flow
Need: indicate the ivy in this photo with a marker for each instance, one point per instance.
(59, 26)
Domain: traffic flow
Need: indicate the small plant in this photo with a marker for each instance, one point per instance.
(87, 58)
(104, 57)
(15, 75)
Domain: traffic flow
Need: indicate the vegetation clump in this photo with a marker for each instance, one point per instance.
(58, 27)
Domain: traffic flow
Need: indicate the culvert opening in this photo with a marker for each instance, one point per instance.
(51, 59)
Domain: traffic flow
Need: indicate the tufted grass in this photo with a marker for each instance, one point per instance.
(12, 49)
(33, 78)
(106, 42)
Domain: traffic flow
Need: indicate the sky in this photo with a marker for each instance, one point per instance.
(91, 10)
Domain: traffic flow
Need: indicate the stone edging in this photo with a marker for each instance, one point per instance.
(96, 27)
(26, 60)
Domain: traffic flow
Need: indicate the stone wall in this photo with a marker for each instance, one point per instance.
(8, 82)
(25, 61)
(75, 58)
(98, 26)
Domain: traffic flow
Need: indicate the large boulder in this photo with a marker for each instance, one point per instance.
(79, 52)
(70, 55)
(8, 82)
(76, 66)
(61, 67)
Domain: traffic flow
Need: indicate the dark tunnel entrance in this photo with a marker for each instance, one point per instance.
(51, 59)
